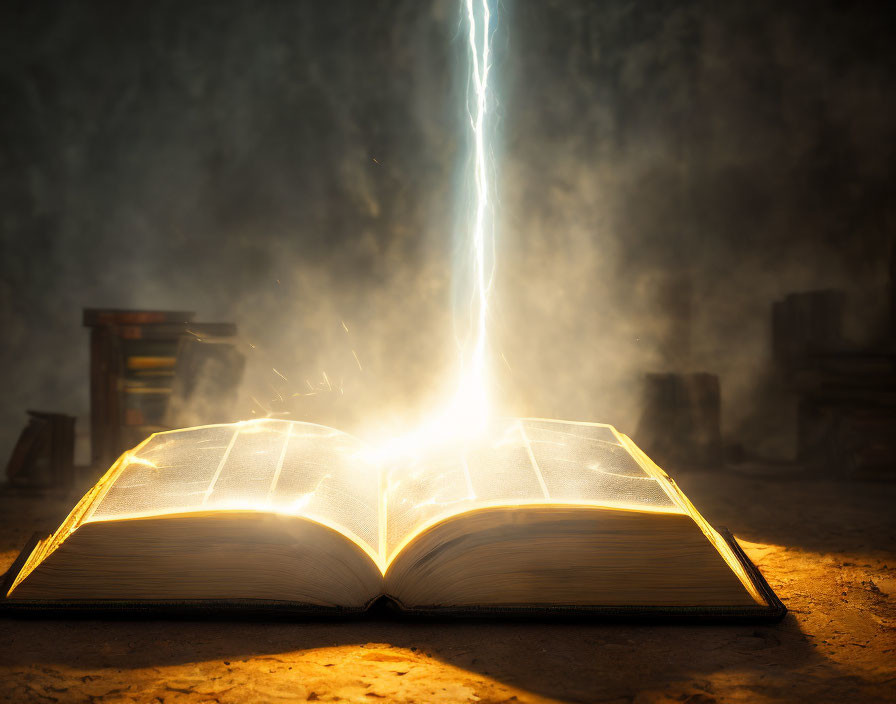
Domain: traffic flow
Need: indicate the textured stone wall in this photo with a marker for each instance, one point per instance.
(292, 166)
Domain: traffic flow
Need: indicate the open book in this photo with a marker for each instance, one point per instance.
(533, 515)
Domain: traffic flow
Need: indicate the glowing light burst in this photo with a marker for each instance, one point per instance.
(468, 409)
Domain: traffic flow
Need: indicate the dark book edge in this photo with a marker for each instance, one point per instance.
(776, 607)
(773, 610)
(10, 575)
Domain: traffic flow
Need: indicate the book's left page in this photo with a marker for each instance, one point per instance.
(268, 465)
(264, 509)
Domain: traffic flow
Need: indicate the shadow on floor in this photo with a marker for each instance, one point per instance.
(565, 661)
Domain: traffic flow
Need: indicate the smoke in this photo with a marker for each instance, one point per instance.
(670, 170)
(293, 167)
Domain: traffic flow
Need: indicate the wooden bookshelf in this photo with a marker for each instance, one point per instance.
(134, 372)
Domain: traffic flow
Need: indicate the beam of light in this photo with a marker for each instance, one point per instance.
(473, 391)
(467, 410)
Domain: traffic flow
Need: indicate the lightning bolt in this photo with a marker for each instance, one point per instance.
(467, 411)
(473, 391)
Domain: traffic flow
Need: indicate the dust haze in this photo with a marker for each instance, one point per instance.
(294, 168)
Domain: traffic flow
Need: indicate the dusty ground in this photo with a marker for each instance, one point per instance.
(827, 548)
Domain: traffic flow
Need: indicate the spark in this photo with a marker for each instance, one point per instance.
(344, 326)
(355, 354)
(259, 404)
(327, 379)
(279, 395)
(507, 363)
(279, 374)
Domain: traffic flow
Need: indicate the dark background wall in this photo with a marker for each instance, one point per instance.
(292, 166)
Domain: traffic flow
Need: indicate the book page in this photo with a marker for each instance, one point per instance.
(265, 465)
(326, 475)
(587, 462)
(519, 461)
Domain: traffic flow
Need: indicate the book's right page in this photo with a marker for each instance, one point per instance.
(526, 464)
(519, 461)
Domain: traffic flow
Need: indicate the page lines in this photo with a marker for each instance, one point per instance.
(544, 487)
(211, 486)
(279, 468)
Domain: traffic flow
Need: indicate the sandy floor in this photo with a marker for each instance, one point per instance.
(828, 549)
